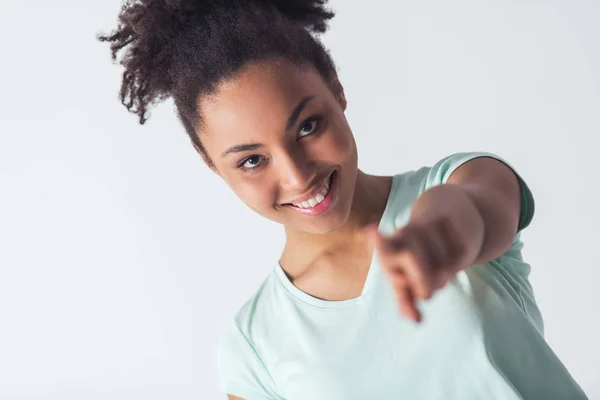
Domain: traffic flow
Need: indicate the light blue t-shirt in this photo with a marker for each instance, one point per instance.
(482, 335)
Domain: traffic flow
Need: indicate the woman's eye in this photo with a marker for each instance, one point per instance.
(308, 127)
(250, 162)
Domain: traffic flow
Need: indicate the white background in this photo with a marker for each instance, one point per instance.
(122, 256)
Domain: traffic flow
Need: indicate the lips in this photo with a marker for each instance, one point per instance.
(317, 198)
(319, 201)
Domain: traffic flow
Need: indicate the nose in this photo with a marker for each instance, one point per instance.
(296, 172)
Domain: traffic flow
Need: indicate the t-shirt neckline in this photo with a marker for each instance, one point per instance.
(373, 271)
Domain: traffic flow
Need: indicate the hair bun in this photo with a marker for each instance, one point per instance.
(171, 45)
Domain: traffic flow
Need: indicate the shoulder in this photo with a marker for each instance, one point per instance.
(257, 307)
(258, 319)
(439, 172)
(408, 186)
(241, 362)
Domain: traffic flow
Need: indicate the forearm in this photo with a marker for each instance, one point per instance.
(500, 213)
(484, 219)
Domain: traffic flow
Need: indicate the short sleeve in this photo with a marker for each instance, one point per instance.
(241, 371)
(441, 171)
(509, 271)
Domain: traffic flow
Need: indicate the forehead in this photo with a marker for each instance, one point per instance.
(256, 102)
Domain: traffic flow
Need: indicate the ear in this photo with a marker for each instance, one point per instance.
(338, 92)
(205, 158)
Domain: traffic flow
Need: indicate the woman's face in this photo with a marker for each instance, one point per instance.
(277, 134)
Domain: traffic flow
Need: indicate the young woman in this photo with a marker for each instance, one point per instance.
(260, 99)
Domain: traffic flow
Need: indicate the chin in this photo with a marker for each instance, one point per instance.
(325, 224)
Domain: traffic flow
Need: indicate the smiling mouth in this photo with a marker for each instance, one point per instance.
(316, 199)
(320, 201)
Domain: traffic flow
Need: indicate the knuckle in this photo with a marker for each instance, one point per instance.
(460, 249)
(411, 259)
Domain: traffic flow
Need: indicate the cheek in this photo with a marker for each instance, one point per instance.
(258, 194)
(337, 144)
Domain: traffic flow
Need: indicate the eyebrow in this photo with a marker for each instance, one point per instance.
(296, 113)
(290, 123)
(241, 147)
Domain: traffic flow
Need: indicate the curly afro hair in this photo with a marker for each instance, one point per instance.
(184, 48)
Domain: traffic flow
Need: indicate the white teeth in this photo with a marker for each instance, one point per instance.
(315, 200)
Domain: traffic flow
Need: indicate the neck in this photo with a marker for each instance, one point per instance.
(368, 204)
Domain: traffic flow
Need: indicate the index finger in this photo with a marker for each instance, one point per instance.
(406, 298)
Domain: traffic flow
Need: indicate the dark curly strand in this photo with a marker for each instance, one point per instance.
(184, 48)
